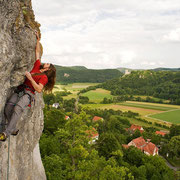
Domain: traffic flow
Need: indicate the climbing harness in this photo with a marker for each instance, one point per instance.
(21, 91)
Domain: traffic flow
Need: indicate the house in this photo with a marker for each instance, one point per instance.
(55, 105)
(92, 135)
(67, 117)
(134, 127)
(66, 75)
(127, 72)
(146, 147)
(160, 133)
(97, 118)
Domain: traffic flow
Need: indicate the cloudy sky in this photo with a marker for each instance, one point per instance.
(110, 33)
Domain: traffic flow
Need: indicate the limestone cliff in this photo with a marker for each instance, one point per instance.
(17, 54)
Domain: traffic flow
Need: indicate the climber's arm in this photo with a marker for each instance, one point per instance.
(37, 46)
(37, 87)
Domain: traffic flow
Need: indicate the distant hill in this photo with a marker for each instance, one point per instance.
(77, 67)
(160, 84)
(166, 69)
(122, 69)
(82, 74)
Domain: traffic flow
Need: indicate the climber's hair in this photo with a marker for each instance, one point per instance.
(51, 75)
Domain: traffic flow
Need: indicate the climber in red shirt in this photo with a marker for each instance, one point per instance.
(41, 77)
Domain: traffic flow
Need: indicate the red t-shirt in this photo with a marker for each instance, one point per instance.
(38, 78)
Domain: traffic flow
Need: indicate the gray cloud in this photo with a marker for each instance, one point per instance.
(110, 34)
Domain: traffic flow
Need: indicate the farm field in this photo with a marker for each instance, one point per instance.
(97, 95)
(74, 88)
(154, 112)
(170, 116)
(146, 110)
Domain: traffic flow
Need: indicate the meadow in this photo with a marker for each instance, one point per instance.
(74, 88)
(97, 95)
(154, 112)
(169, 116)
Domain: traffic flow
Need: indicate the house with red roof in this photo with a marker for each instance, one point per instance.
(160, 133)
(92, 135)
(136, 127)
(97, 118)
(146, 147)
(67, 117)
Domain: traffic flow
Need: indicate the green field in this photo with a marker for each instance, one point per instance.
(154, 112)
(74, 88)
(148, 106)
(169, 116)
(97, 95)
(146, 110)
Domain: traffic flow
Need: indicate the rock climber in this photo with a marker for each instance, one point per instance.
(41, 77)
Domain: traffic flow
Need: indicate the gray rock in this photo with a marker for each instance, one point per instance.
(17, 55)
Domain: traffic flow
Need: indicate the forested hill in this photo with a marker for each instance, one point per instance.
(82, 74)
(122, 69)
(161, 84)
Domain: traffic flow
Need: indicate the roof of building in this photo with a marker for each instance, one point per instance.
(96, 118)
(160, 133)
(139, 142)
(150, 148)
(92, 133)
(135, 127)
(67, 117)
(125, 146)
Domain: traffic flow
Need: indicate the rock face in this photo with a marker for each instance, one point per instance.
(19, 156)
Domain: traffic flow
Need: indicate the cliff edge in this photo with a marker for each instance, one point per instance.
(19, 156)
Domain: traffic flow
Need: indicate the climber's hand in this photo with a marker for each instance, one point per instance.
(28, 75)
(37, 35)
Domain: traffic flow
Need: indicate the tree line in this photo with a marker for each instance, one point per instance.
(161, 84)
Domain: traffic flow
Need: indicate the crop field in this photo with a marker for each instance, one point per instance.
(172, 116)
(154, 112)
(148, 106)
(97, 95)
(74, 88)
(150, 111)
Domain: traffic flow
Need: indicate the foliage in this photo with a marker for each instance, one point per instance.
(160, 84)
(72, 75)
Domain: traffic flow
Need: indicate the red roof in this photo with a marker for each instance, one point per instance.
(150, 148)
(125, 146)
(135, 127)
(160, 133)
(139, 141)
(96, 118)
(92, 133)
(141, 144)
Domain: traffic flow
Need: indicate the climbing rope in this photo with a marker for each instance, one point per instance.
(8, 158)
(8, 152)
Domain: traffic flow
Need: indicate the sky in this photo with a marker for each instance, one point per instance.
(106, 34)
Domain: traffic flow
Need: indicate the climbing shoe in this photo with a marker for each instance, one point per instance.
(3, 137)
(15, 133)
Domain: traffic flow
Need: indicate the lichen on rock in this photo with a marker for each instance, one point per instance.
(17, 55)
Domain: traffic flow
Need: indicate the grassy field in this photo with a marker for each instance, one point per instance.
(172, 116)
(74, 88)
(154, 112)
(145, 110)
(97, 95)
(147, 106)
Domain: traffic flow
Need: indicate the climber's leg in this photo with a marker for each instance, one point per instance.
(9, 107)
(18, 110)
